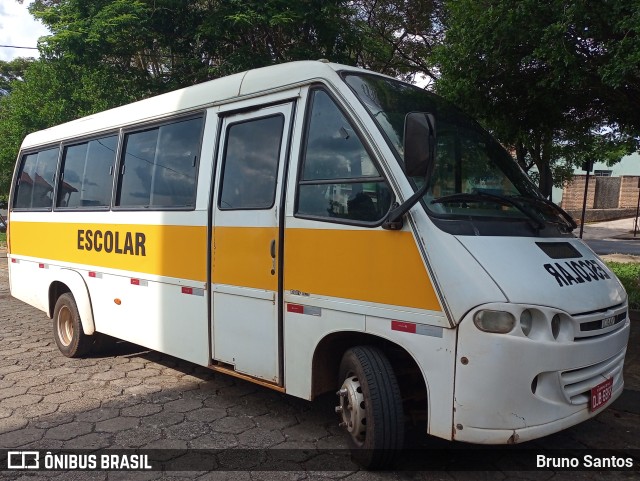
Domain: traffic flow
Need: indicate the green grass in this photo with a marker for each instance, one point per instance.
(629, 275)
(3, 238)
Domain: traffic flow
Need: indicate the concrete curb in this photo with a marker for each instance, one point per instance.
(626, 237)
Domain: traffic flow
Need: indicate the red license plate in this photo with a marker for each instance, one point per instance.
(600, 394)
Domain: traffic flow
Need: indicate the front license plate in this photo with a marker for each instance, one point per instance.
(601, 394)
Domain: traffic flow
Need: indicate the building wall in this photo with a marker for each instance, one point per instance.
(629, 191)
(604, 192)
(607, 192)
(629, 165)
(573, 193)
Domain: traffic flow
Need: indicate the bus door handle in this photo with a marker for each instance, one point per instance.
(273, 256)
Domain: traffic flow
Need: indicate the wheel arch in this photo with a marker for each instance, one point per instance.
(71, 281)
(328, 354)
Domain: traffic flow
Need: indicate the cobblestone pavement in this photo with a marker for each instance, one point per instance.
(131, 397)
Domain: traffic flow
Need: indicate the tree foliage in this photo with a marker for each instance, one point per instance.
(11, 71)
(557, 81)
(165, 44)
(50, 93)
(104, 53)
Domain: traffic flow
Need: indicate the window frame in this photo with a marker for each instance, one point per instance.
(223, 161)
(14, 185)
(141, 127)
(360, 180)
(79, 141)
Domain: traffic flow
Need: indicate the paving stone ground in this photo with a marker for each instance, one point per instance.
(131, 397)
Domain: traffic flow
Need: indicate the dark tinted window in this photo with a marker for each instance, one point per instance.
(251, 164)
(36, 180)
(87, 174)
(339, 179)
(160, 166)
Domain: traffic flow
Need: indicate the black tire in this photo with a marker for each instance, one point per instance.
(67, 328)
(379, 441)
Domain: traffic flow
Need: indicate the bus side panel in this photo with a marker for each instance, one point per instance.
(165, 317)
(153, 297)
(434, 350)
(302, 333)
(29, 282)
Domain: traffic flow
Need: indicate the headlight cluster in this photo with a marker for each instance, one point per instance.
(499, 322)
(533, 323)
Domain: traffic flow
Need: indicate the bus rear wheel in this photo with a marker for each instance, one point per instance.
(67, 328)
(370, 407)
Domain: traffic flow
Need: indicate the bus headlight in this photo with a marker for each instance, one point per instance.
(499, 322)
(555, 326)
(526, 322)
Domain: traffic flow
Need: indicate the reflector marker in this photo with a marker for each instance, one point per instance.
(193, 291)
(403, 326)
(14, 260)
(139, 282)
(42, 266)
(422, 329)
(297, 308)
(307, 310)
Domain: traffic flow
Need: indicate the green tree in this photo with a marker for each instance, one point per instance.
(558, 82)
(166, 44)
(397, 36)
(10, 71)
(49, 93)
(104, 53)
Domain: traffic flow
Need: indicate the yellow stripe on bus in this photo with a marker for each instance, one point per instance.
(376, 266)
(383, 267)
(242, 257)
(164, 250)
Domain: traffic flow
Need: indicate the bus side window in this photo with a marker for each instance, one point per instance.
(159, 166)
(36, 180)
(339, 179)
(250, 169)
(87, 174)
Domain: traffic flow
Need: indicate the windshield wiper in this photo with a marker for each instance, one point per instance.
(570, 223)
(537, 223)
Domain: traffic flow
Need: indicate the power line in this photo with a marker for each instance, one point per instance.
(15, 46)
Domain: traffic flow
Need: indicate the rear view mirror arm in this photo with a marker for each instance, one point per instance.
(419, 126)
(394, 219)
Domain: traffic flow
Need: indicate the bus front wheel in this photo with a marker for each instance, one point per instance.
(370, 407)
(67, 328)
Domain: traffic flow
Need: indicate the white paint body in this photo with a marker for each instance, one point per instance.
(488, 399)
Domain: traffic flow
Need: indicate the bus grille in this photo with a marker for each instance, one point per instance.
(591, 324)
(577, 383)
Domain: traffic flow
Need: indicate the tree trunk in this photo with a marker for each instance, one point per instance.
(543, 162)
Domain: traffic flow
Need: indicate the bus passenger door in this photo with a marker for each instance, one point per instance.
(245, 242)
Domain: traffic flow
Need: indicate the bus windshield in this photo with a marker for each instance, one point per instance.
(474, 176)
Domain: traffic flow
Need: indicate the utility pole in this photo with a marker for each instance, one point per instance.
(635, 225)
(587, 166)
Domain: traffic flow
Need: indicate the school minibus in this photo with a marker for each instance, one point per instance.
(313, 227)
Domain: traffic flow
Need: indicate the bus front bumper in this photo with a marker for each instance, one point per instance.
(511, 388)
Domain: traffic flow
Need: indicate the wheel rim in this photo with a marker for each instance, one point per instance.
(65, 325)
(352, 409)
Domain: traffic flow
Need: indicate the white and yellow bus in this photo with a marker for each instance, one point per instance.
(314, 227)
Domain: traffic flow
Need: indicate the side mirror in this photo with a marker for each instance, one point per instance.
(419, 143)
(419, 159)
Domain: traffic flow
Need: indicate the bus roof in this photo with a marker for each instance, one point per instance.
(205, 94)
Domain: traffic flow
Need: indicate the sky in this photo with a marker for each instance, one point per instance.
(18, 28)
